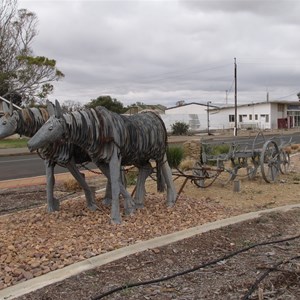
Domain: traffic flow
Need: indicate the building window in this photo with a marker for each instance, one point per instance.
(231, 118)
(280, 107)
(256, 117)
(250, 117)
(266, 117)
(240, 118)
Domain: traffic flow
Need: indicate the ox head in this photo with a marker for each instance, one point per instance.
(53, 130)
(8, 122)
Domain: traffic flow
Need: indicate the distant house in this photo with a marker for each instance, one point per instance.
(8, 103)
(195, 114)
(260, 115)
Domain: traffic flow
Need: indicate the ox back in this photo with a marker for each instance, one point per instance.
(139, 137)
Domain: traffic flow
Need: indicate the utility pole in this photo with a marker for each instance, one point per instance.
(208, 102)
(235, 98)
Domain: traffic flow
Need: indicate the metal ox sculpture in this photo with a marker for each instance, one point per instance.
(113, 140)
(27, 122)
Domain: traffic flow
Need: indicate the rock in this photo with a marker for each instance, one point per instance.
(27, 275)
(156, 250)
(8, 279)
(11, 248)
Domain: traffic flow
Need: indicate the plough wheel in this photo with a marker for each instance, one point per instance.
(252, 167)
(285, 162)
(206, 176)
(227, 175)
(270, 161)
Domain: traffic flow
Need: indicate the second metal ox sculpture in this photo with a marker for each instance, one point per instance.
(114, 140)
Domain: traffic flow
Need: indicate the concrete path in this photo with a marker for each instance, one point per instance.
(91, 263)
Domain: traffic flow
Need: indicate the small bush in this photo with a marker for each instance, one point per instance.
(72, 185)
(180, 128)
(216, 149)
(212, 152)
(174, 156)
(131, 177)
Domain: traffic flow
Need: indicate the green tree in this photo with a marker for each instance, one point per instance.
(108, 102)
(22, 74)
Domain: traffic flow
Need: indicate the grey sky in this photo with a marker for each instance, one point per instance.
(160, 52)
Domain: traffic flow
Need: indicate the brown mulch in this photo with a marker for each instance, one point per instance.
(33, 242)
(230, 278)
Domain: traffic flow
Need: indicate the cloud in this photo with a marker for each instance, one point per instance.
(165, 51)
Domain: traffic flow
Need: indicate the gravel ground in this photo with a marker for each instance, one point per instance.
(34, 242)
(231, 278)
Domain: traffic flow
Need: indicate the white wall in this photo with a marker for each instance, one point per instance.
(196, 122)
(220, 119)
(187, 109)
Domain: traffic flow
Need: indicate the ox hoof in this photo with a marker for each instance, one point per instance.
(93, 207)
(129, 211)
(106, 202)
(53, 209)
(170, 204)
(115, 221)
(139, 205)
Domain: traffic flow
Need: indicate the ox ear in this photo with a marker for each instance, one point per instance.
(58, 110)
(50, 108)
(11, 108)
(7, 109)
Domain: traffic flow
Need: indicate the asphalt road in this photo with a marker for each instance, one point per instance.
(23, 166)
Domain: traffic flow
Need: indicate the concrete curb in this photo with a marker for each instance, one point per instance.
(91, 263)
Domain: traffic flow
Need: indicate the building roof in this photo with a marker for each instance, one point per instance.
(224, 106)
(192, 103)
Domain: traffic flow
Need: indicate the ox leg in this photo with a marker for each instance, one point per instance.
(139, 198)
(89, 195)
(107, 197)
(129, 203)
(167, 173)
(52, 202)
(114, 171)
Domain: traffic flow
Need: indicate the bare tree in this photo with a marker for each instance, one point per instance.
(22, 73)
(71, 105)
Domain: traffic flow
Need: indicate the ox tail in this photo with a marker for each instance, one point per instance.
(161, 183)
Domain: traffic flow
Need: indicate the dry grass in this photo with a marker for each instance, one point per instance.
(71, 185)
(187, 164)
(295, 147)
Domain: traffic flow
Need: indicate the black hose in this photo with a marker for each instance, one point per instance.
(161, 279)
(265, 274)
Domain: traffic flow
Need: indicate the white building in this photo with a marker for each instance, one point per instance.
(194, 114)
(262, 115)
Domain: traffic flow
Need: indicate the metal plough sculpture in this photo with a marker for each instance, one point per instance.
(27, 122)
(113, 140)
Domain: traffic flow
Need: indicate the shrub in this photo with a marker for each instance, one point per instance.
(131, 177)
(71, 185)
(174, 156)
(180, 128)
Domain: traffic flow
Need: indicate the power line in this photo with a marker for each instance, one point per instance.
(161, 76)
